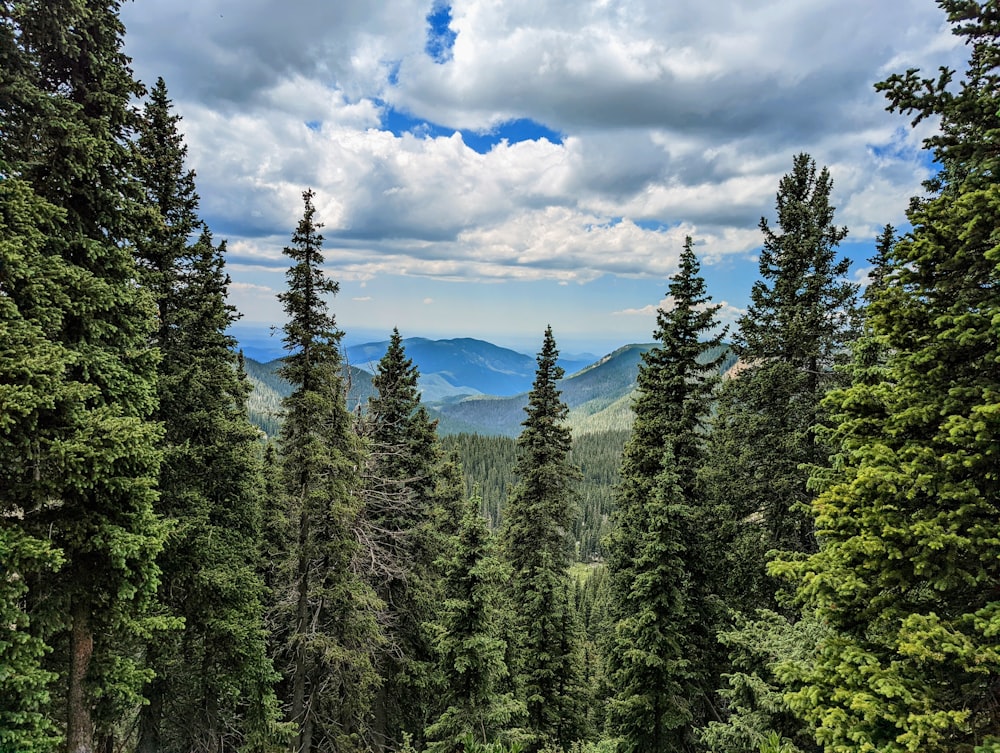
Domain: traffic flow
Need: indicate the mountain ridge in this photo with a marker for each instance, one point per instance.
(598, 395)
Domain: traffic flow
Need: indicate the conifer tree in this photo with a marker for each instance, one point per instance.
(536, 546)
(93, 457)
(660, 653)
(32, 382)
(206, 683)
(400, 515)
(470, 642)
(800, 322)
(326, 612)
(908, 572)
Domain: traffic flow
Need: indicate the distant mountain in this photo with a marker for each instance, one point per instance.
(462, 366)
(587, 392)
(599, 398)
(599, 395)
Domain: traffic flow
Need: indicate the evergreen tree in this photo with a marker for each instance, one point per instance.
(32, 383)
(908, 573)
(798, 325)
(87, 481)
(210, 479)
(660, 563)
(539, 514)
(400, 515)
(470, 643)
(651, 709)
(759, 717)
(326, 612)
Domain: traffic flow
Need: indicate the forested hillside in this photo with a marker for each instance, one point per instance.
(645, 556)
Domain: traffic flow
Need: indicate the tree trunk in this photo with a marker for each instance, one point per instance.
(150, 717)
(79, 725)
(300, 670)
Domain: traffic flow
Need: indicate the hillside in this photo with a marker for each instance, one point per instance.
(599, 395)
(599, 398)
(264, 404)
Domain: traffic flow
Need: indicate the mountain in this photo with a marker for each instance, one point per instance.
(599, 398)
(462, 366)
(599, 395)
(599, 387)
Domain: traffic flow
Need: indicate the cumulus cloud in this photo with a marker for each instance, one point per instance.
(675, 119)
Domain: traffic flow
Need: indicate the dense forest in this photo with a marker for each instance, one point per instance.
(801, 556)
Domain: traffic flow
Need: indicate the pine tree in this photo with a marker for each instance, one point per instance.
(400, 515)
(536, 545)
(326, 613)
(660, 561)
(207, 684)
(908, 573)
(32, 382)
(798, 326)
(93, 458)
(470, 643)
(651, 676)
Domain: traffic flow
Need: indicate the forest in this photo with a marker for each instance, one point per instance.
(802, 556)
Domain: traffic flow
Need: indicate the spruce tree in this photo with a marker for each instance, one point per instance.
(469, 640)
(325, 613)
(207, 684)
(400, 519)
(32, 382)
(908, 573)
(660, 653)
(798, 326)
(538, 517)
(93, 459)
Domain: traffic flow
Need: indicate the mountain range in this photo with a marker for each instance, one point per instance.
(474, 386)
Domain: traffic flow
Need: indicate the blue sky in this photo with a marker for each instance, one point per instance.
(485, 169)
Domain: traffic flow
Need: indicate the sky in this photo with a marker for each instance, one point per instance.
(485, 168)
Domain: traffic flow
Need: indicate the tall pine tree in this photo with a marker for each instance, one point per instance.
(536, 545)
(400, 518)
(325, 613)
(799, 323)
(213, 678)
(88, 477)
(661, 659)
(908, 573)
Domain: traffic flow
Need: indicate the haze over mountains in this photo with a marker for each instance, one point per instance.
(477, 387)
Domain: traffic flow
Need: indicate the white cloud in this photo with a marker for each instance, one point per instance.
(678, 119)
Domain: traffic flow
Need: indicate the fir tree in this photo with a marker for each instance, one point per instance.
(326, 613)
(800, 322)
(907, 575)
(206, 683)
(470, 643)
(32, 384)
(399, 513)
(661, 663)
(93, 458)
(536, 545)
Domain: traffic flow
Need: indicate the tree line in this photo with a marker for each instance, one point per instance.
(803, 557)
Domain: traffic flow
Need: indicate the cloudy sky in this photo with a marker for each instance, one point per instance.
(488, 167)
